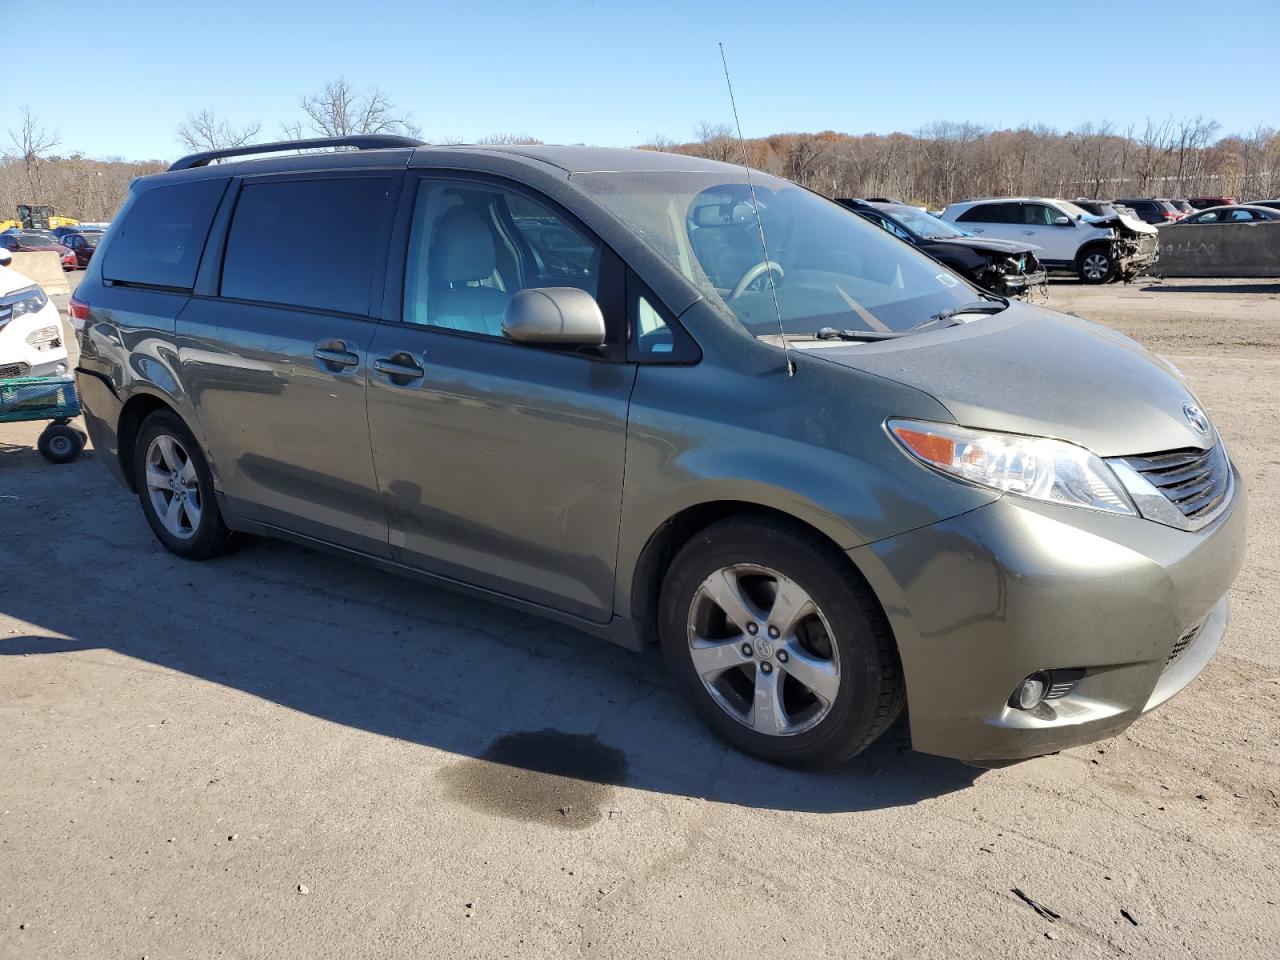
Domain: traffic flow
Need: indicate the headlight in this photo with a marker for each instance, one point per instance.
(1033, 467)
(27, 301)
(46, 338)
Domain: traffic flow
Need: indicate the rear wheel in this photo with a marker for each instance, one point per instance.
(175, 487)
(1096, 265)
(779, 644)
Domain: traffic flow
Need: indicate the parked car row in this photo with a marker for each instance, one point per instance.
(1006, 267)
(73, 245)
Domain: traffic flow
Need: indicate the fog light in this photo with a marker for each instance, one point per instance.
(1031, 691)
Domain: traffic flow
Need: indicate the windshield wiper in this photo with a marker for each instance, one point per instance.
(831, 333)
(995, 305)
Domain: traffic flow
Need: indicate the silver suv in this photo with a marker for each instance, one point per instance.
(657, 397)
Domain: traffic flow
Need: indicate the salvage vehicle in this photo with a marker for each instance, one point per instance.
(1154, 210)
(1235, 213)
(30, 328)
(853, 479)
(1096, 249)
(1001, 266)
(1203, 203)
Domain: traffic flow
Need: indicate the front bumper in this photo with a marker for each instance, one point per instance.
(981, 601)
(1020, 282)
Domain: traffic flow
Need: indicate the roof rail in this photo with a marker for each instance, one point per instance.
(366, 142)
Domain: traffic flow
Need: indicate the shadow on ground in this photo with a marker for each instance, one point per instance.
(350, 645)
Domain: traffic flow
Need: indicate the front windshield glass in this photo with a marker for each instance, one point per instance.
(925, 224)
(1071, 210)
(831, 267)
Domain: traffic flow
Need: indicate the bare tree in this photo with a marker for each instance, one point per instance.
(207, 131)
(339, 110)
(717, 141)
(33, 143)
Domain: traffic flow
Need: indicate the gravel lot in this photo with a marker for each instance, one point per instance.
(280, 753)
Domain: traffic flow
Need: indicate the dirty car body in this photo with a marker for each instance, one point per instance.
(1022, 521)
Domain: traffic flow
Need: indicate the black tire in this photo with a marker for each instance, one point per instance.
(1096, 265)
(210, 538)
(870, 694)
(60, 443)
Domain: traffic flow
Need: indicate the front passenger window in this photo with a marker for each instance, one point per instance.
(472, 246)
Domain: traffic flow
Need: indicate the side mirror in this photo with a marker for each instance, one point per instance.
(6, 257)
(554, 315)
(1062, 221)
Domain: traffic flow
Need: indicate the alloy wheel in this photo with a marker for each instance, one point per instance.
(1096, 266)
(763, 649)
(173, 487)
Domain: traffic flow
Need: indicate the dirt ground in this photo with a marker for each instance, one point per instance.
(281, 754)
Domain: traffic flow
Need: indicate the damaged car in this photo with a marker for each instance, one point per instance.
(1005, 267)
(1097, 249)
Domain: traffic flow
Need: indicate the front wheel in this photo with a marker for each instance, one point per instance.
(1096, 266)
(176, 489)
(779, 644)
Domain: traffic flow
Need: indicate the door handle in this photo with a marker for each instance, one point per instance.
(336, 355)
(1028, 233)
(400, 367)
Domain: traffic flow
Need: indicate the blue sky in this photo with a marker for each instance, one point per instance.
(617, 73)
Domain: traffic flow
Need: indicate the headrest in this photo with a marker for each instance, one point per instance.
(462, 248)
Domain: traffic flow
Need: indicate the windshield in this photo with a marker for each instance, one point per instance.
(1071, 210)
(924, 224)
(830, 267)
(37, 240)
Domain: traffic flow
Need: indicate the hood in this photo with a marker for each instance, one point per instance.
(1010, 248)
(1030, 370)
(1120, 220)
(12, 281)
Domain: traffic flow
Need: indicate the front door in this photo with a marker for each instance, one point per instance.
(276, 362)
(501, 463)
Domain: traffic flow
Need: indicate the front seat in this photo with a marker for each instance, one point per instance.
(462, 253)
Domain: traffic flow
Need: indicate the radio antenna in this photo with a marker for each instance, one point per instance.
(755, 206)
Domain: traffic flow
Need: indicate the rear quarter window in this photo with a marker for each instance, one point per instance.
(308, 243)
(162, 233)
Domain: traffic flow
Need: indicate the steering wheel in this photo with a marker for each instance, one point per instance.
(754, 274)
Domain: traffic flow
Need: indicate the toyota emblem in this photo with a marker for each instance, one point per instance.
(1195, 416)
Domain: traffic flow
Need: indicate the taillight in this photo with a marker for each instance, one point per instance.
(78, 310)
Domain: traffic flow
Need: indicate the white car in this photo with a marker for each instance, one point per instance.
(1097, 249)
(31, 340)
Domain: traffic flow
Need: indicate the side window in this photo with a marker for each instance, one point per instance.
(982, 213)
(308, 243)
(162, 233)
(472, 246)
(653, 338)
(1038, 215)
(896, 230)
(1211, 217)
(1237, 215)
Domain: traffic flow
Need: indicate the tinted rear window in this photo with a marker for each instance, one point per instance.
(308, 243)
(162, 234)
(992, 213)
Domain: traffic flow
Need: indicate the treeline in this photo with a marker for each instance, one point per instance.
(945, 162)
(935, 165)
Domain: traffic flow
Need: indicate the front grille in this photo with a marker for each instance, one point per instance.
(11, 370)
(1182, 644)
(1194, 481)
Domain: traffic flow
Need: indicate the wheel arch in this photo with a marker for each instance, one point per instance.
(678, 529)
(135, 411)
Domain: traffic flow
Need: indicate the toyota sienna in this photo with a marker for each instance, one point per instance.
(660, 397)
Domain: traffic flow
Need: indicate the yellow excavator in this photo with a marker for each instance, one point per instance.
(32, 217)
